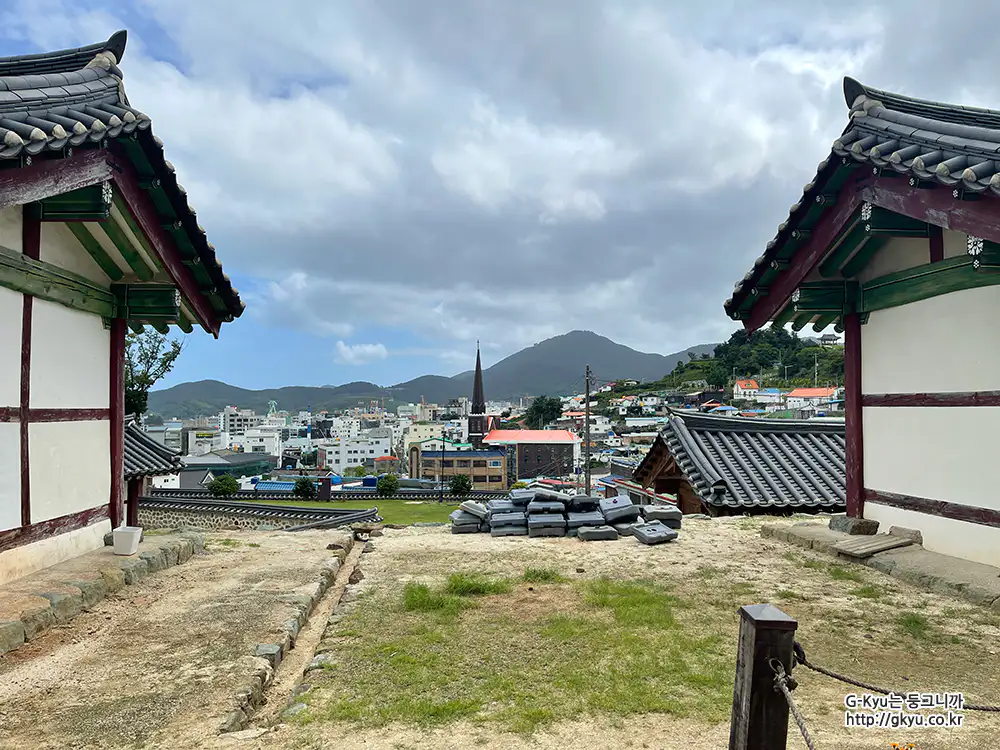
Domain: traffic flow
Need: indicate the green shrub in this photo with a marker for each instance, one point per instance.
(460, 484)
(224, 486)
(305, 488)
(387, 485)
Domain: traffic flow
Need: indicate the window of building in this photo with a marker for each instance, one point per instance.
(464, 464)
(494, 464)
(447, 464)
(479, 479)
(479, 464)
(496, 477)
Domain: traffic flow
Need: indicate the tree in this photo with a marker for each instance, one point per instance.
(356, 471)
(542, 411)
(387, 485)
(149, 356)
(460, 484)
(224, 486)
(153, 419)
(308, 459)
(305, 488)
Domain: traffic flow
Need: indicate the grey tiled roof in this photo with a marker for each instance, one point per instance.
(927, 141)
(144, 457)
(76, 98)
(745, 463)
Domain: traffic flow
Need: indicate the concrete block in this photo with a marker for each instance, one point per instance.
(91, 592)
(913, 535)
(853, 526)
(292, 628)
(114, 579)
(270, 651)
(196, 538)
(11, 636)
(134, 569)
(155, 559)
(36, 621)
(65, 606)
(171, 552)
(814, 536)
(185, 551)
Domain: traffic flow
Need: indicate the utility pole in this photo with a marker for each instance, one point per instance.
(815, 368)
(586, 435)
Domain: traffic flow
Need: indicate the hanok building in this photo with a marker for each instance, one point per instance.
(96, 236)
(734, 466)
(896, 243)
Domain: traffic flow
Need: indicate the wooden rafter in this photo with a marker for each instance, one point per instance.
(96, 251)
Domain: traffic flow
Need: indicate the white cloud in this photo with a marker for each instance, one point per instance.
(360, 354)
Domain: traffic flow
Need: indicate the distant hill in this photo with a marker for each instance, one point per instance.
(553, 367)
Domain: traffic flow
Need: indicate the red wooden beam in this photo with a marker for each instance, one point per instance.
(48, 177)
(937, 244)
(942, 508)
(937, 206)
(117, 404)
(142, 208)
(853, 421)
(810, 254)
(29, 533)
(961, 398)
(68, 415)
(23, 409)
(132, 503)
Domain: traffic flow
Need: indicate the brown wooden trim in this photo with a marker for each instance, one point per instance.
(853, 422)
(10, 413)
(117, 400)
(48, 177)
(31, 230)
(959, 398)
(936, 241)
(937, 206)
(942, 508)
(53, 527)
(68, 415)
(810, 254)
(23, 409)
(132, 502)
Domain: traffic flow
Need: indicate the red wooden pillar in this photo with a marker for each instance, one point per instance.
(116, 510)
(132, 502)
(853, 419)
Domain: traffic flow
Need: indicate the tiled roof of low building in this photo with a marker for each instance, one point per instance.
(737, 463)
(812, 392)
(144, 457)
(530, 436)
(75, 98)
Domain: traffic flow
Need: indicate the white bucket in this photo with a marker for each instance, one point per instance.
(127, 539)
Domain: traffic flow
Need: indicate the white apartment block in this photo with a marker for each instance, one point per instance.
(237, 421)
(418, 432)
(337, 455)
(258, 440)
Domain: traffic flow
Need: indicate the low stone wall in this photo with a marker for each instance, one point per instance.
(160, 518)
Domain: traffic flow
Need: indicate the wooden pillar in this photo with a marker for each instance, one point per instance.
(132, 502)
(760, 713)
(31, 246)
(853, 417)
(117, 416)
(936, 243)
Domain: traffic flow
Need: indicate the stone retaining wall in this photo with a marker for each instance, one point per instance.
(160, 518)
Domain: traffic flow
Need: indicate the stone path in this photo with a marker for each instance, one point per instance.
(158, 663)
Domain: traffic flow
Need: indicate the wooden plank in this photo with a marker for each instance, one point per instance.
(923, 282)
(124, 246)
(140, 205)
(28, 533)
(936, 244)
(49, 282)
(810, 254)
(10, 413)
(866, 546)
(853, 417)
(25, 394)
(93, 247)
(47, 177)
(31, 231)
(851, 237)
(863, 256)
(958, 398)
(116, 510)
(942, 508)
(68, 415)
(760, 714)
(937, 206)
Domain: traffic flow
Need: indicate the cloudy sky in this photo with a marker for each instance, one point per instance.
(387, 181)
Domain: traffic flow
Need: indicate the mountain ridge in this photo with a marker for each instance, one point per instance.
(552, 367)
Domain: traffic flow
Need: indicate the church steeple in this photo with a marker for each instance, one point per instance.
(477, 419)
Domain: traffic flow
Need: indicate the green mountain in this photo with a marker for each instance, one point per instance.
(553, 367)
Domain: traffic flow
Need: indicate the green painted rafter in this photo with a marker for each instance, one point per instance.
(124, 246)
(923, 282)
(801, 321)
(94, 249)
(864, 236)
(49, 282)
(824, 320)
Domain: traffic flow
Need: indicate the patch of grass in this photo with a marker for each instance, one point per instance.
(791, 557)
(475, 584)
(253, 544)
(867, 592)
(788, 595)
(419, 597)
(708, 572)
(228, 542)
(915, 625)
(392, 511)
(813, 564)
(542, 575)
(840, 573)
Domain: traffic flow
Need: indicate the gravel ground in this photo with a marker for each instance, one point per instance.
(157, 664)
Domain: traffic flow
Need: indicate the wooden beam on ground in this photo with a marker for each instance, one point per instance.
(47, 177)
(94, 249)
(124, 246)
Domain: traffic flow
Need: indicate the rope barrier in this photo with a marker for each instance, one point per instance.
(800, 658)
(786, 684)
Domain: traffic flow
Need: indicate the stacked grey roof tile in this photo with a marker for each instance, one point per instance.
(75, 98)
(738, 463)
(144, 457)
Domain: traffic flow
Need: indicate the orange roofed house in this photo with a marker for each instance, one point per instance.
(745, 390)
(96, 236)
(896, 243)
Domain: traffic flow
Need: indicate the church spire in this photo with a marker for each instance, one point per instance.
(478, 396)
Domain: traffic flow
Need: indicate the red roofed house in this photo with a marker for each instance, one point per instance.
(537, 453)
(387, 465)
(800, 398)
(745, 389)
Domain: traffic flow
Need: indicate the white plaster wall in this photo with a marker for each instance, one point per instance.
(968, 541)
(895, 255)
(11, 305)
(938, 345)
(10, 228)
(70, 358)
(59, 247)
(955, 243)
(23, 561)
(941, 453)
(10, 470)
(70, 467)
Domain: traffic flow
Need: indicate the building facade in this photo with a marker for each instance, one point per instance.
(486, 468)
(537, 453)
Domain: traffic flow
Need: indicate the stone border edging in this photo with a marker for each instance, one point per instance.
(268, 656)
(126, 571)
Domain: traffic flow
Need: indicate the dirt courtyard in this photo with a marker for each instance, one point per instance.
(607, 644)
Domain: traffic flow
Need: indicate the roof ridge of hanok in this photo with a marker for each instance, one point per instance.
(857, 93)
(700, 421)
(63, 60)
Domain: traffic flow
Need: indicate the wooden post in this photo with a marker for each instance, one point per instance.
(132, 502)
(117, 398)
(853, 418)
(760, 713)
